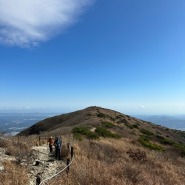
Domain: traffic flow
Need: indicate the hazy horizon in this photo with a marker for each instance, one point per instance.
(137, 111)
(122, 55)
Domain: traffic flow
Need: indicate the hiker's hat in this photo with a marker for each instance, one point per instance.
(50, 136)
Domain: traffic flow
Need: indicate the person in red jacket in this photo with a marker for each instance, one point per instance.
(51, 142)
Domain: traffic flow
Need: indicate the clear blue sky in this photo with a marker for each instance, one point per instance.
(126, 55)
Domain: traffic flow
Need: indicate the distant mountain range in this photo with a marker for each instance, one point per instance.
(174, 122)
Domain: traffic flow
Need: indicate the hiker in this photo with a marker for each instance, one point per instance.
(51, 142)
(58, 145)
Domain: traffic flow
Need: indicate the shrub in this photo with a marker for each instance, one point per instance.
(181, 147)
(116, 136)
(182, 134)
(164, 141)
(101, 115)
(89, 114)
(118, 117)
(92, 135)
(131, 126)
(146, 138)
(118, 122)
(147, 132)
(133, 133)
(108, 124)
(181, 143)
(124, 121)
(113, 119)
(135, 126)
(106, 133)
(77, 136)
(166, 129)
(151, 146)
(103, 132)
(78, 131)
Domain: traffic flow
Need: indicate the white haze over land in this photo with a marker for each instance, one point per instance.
(26, 23)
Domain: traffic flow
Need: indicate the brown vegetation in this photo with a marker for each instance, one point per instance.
(13, 174)
(123, 161)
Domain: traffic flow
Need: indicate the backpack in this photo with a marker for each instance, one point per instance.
(59, 143)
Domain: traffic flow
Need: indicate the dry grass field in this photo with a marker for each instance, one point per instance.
(144, 154)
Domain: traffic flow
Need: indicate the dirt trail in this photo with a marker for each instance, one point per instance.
(47, 167)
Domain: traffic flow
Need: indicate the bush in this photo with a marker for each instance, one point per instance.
(77, 136)
(124, 121)
(146, 138)
(113, 119)
(89, 114)
(103, 132)
(92, 135)
(181, 147)
(101, 115)
(108, 124)
(133, 133)
(164, 141)
(131, 126)
(118, 122)
(182, 134)
(116, 136)
(135, 126)
(181, 143)
(78, 131)
(151, 146)
(106, 133)
(147, 132)
(118, 117)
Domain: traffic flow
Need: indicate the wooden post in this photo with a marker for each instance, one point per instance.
(39, 138)
(71, 153)
(38, 179)
(68, 145)
(67, 170)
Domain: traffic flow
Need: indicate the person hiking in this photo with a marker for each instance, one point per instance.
(51, 142)
(58, 145)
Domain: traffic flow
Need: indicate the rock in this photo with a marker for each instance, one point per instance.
(1, 168)
(38, 163)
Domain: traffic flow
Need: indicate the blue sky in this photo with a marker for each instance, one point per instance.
(125, 55)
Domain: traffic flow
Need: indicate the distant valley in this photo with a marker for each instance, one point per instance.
(16, 122)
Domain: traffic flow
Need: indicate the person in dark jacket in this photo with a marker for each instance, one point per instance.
(58, 145)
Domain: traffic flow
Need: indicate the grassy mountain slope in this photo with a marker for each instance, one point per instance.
(145, 154)
(93, 116)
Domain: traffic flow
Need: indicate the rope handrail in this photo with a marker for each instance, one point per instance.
(57, 173)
